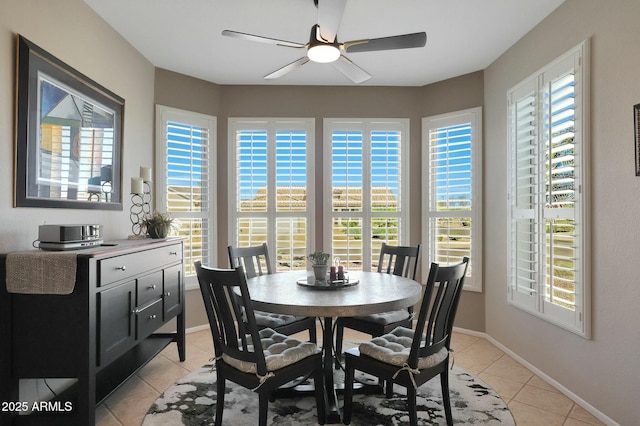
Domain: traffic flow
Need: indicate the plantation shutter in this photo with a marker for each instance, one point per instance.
(367, 162)
(385, 189)
(524, 196)
(348, 189)
(185, 184)
(291, 200)
(187, 172)
(561, 197)
(272, 188)
(451, 173)
(252, 191)
(547, 254)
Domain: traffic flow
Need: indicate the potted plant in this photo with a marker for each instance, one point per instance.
(158, 224)
(319, 263)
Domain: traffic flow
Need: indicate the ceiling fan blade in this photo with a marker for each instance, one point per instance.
(287, 68)
(261, 39)
(405, 41)
(351, 70)
(329, 17)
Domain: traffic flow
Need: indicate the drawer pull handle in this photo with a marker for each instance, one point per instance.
(136, 311)
(152, 287)
(121, 268)
(168, 294)
(152, 316)
(173, 253)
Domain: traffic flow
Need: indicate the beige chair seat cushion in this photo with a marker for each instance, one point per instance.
(386, 317)
(279, 351)
(271, 320)
(393, 348)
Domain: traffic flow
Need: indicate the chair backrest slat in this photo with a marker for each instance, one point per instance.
(223, 307)
(399, 260)
(438, 309)
(255, 259)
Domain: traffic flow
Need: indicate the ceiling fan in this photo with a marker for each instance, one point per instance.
(323, 45)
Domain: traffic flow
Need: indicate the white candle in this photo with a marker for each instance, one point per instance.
(136, 185)
(145, 173)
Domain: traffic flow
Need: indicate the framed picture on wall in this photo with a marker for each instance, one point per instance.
(68, 135)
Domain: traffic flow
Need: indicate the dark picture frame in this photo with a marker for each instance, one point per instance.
(69, 132)
(636, 128)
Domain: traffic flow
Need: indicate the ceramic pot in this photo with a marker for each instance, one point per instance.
(158, 231)
(320, 271)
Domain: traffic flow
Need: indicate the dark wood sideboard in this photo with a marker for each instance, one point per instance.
(100, 334)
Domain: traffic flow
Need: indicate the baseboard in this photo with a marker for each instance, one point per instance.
(197, 328)
(568, 393)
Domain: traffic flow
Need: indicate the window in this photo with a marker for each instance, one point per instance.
(365, 205)
(547, 193)
(185, 160)
(452, 197)
(271, 191)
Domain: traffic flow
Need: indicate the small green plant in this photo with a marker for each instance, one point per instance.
(158, 224)
(318, 258)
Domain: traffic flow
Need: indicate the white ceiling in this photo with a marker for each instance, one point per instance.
(185, 36)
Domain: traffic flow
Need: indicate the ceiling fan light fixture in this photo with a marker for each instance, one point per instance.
(320, 50)
(323, 53)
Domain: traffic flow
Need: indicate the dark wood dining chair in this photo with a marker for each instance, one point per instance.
(409, 357)
(255, 262)
(258, 359)
(396, 260)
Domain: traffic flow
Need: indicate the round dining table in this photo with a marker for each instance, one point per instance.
(297, 293)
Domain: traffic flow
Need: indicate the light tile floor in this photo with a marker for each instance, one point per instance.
(532, 401)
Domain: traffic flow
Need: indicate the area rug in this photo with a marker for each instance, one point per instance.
(191, 401)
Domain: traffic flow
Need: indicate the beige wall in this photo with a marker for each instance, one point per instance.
(319, 102)
(191, 94)
(602, 371)
(71, 31)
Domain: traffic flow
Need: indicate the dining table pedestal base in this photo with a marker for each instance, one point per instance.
(333, 410)
(332, 388)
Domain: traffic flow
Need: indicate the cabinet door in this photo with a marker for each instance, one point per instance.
(172, 291)
(115, 321)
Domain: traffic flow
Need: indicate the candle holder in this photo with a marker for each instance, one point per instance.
(136, 215)
(139, 211)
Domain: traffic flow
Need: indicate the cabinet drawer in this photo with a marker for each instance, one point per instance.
(149, 288)
(148, 319)
(129, 265)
